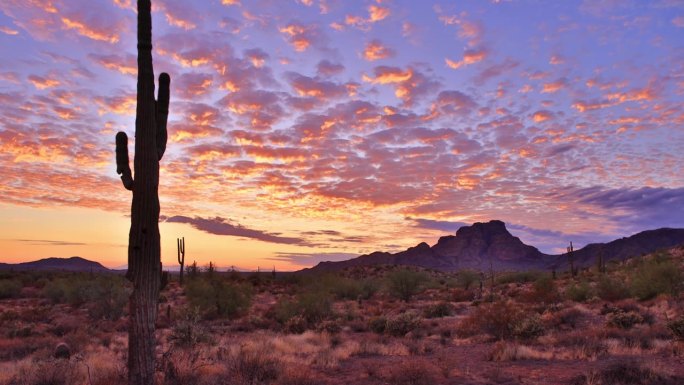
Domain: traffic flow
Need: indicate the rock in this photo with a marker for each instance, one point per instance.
(62, 350)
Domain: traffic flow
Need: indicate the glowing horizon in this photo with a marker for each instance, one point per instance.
(311, 130)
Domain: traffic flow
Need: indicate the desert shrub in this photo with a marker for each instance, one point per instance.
(659, 276)
(519, 277)
(544, 290)
(188, 330)
(579, 292)
(342, 288)
(438, 310)
(9, 288)
(104, 296)
(107, 299)
(461, 295)
(528, 327)
(218, 298)
(310, 306)
(377, 324)
(402, 324)
(568, 317)
(413, 372)
(253, 365)
(676, 327)
(610, 289)
(624, 320)
(405, 283)
(369, 287)
(626, 373)
(502, 320)
(467, 279)
(50, 372)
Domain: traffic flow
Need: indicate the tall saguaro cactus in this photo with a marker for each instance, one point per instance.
(144, 251)
(181, 256)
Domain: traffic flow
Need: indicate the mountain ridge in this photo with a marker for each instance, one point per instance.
(57, 264)
(485, 245)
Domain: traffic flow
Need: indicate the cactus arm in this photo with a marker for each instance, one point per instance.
(122, 166)
(162, 113)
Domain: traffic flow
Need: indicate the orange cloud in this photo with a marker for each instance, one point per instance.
(542, 116)
(376, 51)
(179, 22)
(583, 106)
(377, 13)
(8, 30)
(230, 2)
(469, 57)
(126, 65)
(554, 86)
(388, 75)
(42, 83)
(89, 31)
(300, 36)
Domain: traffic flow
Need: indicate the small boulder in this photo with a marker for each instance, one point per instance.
(62, 350)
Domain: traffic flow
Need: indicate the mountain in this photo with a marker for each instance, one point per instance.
(59, 264)
(490, 244)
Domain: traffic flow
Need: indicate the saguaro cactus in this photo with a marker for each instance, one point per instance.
(571, 259)
(181, 256)
(144, 251)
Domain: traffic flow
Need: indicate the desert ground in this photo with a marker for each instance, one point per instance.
(371, 325)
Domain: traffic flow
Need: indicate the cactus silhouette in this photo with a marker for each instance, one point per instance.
(144, 251)
(181, 256)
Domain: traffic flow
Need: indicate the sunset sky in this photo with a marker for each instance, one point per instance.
(309, 130)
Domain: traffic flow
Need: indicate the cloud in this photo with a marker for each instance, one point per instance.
(311, 259)
(44, 242)
(375, 50)
(431, 224)
(222, 226)
(678, 21)
(301, 36)
(328, 68)
(125, 64)
(469, 57)
(377, 13)
(638, 208)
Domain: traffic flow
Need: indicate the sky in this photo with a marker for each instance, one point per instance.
(309, 130)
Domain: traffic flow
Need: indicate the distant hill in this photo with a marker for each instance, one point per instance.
(57, 264)
(482, 244)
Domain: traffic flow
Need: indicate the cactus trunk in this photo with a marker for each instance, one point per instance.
(144, 252)
(181, 256)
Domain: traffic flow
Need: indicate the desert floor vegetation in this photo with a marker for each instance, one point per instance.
(367, 325)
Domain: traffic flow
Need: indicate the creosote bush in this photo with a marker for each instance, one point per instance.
(216, 297)
(104, 296)
(657, 276)
(502, 320)
(676, 327)
(580, 292)
(9, 288)
(405, 283)
(611, 289)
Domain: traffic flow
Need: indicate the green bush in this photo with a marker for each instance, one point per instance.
(544, 290)
(311, 306)
(105, 297)
(467, 279)
(405, 283)
(218, 298)
(519, 277)
(579, 292)
(9, 288)
(659, 276)
(609, 289)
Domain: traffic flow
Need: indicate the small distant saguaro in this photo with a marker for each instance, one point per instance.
(571, 259)
(181, 257)
(144, 249)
